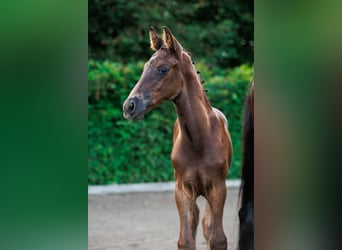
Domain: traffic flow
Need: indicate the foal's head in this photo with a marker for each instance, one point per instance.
(162, 78)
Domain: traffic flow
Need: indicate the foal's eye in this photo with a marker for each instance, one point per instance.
(162, 70)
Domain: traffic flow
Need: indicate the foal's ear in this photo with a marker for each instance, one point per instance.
(171, 42)
(155, 40)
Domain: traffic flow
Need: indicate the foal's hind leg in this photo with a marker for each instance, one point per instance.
(188, 215)
(213, 215)
(207, 222)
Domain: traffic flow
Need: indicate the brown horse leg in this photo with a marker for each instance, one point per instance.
(188, 215)
(207, 222)
(212, 220)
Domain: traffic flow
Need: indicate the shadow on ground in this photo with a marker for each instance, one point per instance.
(148, 221)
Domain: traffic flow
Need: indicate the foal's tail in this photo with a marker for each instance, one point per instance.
(246, 212)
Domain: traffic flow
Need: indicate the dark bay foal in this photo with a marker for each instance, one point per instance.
(202, 148)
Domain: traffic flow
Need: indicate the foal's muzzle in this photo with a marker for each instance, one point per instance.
(135, 107)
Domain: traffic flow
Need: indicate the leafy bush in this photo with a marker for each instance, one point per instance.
(122, 151)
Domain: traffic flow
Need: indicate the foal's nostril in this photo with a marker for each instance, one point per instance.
(131, 106)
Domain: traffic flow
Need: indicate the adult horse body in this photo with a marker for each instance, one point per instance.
(246, 212)
(202, 149)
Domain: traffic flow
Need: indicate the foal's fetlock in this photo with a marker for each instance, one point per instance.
(218, 243)
(186, 245)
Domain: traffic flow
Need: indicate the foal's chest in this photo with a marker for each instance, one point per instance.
(201, 161)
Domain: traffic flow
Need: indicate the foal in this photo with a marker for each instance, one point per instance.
(202, 149)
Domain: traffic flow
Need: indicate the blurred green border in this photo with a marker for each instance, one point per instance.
(43, 128)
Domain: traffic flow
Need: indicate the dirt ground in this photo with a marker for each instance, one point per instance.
(148, 221)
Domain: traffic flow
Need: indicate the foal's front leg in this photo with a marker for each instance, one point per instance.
(188, 216)
(212, 221)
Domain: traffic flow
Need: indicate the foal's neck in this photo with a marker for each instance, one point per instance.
(193, 110)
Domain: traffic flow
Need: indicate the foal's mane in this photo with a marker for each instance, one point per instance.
(200, 80)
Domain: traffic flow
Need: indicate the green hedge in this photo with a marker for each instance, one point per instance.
(121, 151)
(220, 31)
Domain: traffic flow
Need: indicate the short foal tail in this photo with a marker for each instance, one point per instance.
(246, 212)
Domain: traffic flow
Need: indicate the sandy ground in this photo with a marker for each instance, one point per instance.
(147, 221)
